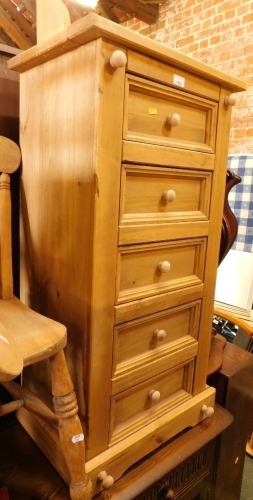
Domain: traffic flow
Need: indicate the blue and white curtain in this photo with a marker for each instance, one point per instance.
(241, 200)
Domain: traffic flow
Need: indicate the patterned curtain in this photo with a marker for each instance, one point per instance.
(241, 200)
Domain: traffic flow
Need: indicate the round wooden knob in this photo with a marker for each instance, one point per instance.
(169, 195)
(159, 334)
(118, 59)
(173, 120)
(154, 395)
(164, 266)
(169, 494)
(106, 480)
(230, 100)
(208, 410)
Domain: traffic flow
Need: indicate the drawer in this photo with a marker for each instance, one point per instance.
(138, 406)
(155, 70)
(153, 344)
(156, 114)
(144, 270)
(190, 480)
(155, 199)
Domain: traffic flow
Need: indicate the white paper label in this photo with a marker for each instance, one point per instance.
(179, 80)
(4, 339)
(77, 438)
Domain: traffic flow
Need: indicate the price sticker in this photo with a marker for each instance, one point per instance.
(4, 339)
(179, 80)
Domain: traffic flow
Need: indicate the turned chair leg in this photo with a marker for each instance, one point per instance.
(70, 429)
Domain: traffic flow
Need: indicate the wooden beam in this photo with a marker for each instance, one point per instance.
(30, 6)
(147, 12)
(4, 39)
(157, 2)
(12, 30)
(20, 20)
(25, 5)
(107, 11)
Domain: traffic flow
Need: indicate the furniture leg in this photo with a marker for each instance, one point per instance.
(70, 429)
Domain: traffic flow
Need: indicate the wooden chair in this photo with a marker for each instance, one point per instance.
(229, 228)
(228, 235)
(248, 329)
(27, 337)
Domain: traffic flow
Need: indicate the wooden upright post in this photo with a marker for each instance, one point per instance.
(52, 18)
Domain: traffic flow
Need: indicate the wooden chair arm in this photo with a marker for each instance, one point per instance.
(234, 319)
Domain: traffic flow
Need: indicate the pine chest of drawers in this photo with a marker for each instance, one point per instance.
(124, 146)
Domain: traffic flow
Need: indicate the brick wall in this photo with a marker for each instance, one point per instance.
(218, 33)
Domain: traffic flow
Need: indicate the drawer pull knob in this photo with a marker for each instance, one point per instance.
(106, 481)
(208, 410)
(154, 395)
(173, 120)
(159, 334)
(169, 195)
(164, 266)
(169, 494)
(230, 100)
(118, 59)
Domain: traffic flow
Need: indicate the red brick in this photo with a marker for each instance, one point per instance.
(187, 14)
(208, 3)
(177, 17)
(249, 28)
(248, 49)
(239, 31)
(206, 24)
(197, 9)
(249, 61)
(185, 41)
(187, 4)
(248, 19)
(185, 32)
(182, 25)
(229, 25)
(230, 14)
(249, 132)
(193, 47)
(207, 33)
(203, 44)
(224, 6)
(242, 9)
(214, 40)
(218, 19)
(238, 132)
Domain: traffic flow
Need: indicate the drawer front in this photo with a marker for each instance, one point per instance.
(145, 270)
(142, 65)
(145, 347)
(138, 406)
(160, 198)
(156, 114)
(190, 480)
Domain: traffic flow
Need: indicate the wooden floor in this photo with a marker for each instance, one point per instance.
(24, 470)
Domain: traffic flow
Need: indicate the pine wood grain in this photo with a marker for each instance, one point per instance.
(94, 236)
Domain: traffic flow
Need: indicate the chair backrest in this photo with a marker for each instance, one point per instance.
(10, 158)
(229, 225)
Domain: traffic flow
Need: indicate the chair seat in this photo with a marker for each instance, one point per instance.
(11, 362)
(36, 337)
